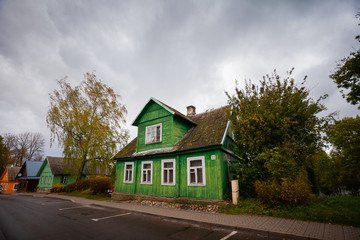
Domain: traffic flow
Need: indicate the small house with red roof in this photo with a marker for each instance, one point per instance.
(8, 181)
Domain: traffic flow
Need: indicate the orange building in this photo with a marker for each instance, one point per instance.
(7, 180)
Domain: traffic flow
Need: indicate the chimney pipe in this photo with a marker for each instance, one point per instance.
(191, 110)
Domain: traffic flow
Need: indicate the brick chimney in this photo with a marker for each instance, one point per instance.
(191, 110)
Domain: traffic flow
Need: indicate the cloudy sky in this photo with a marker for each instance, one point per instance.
(180, 52)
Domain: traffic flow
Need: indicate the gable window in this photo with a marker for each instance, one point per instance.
(196, 171)
(153, 133)
(63, 179)
(45, 179)
(42, 179)
(146, 172)
(168, 172)
(128, 172)
(15, 187)
(49, 180)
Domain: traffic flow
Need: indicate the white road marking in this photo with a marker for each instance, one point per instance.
(60, 209)
(119, 215)
(229, 235)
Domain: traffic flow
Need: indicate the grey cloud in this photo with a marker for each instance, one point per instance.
(181, 52)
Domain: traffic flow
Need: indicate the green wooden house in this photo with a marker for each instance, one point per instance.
(52, 171)
(176, 155)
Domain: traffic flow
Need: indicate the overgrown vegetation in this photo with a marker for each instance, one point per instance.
(277, 130)
(57, 188)
(96, 186)
(336, 209)
(88, 194)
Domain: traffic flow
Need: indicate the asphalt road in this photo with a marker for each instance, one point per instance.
(26, 217)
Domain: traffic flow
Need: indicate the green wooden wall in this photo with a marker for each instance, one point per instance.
(46, 172)
(167, 137)
(217, 181)
(173, 129)
(180, 128)
(54, 179)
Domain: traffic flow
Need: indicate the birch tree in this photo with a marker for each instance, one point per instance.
(87, 121)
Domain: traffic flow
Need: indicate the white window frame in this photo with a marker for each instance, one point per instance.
(15, 185)
(151, 172)
(132, 172)
(202, 158)
(147, 137)
(162, 172)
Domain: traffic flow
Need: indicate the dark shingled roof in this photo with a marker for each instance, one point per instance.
(57, 167)
(209, 131)
(12, 173)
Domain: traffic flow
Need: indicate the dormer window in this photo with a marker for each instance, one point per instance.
(153, 133)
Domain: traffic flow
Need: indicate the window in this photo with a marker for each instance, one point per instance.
(63, 179)
(128, 172)
(196, 171)
(146, 172)
(168, 172)
(15, 187)
(45, 179)
(49, 179)
(42, 179)
(5, 186)
(153, 133)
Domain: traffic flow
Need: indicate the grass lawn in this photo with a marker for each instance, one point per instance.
(338, 209)
(87, 194)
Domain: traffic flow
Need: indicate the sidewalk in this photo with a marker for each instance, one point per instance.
(270, 226)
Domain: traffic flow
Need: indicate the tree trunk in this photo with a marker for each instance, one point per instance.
(81, 170)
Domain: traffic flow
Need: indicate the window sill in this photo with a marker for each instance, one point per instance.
(146, 183)
(168, 184)
(148, 143)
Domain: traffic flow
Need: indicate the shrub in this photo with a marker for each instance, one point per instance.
(96, 185)
(100, 185)
(295, 192)
(78, 186)
(287, 192)
(56, 188)
(268, 191)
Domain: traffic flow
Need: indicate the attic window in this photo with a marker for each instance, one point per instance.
(153, 133)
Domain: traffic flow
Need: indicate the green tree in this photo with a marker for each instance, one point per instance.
(344, 135)
(347, 75)
(328, 173)
(4, 156)
(277, 129)
(87, 121)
